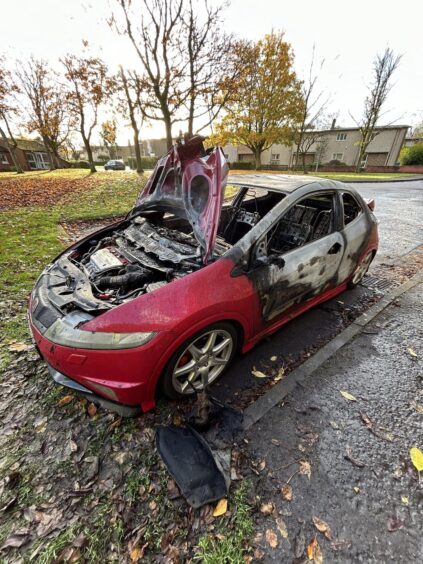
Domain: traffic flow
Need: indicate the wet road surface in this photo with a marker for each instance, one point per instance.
(361, 502)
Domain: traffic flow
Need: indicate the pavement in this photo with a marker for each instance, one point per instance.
(362, 483)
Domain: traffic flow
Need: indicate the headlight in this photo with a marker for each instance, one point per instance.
(65, 332)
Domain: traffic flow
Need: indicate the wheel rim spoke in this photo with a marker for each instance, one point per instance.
(210, 342)
(221, 346)
(185, 368)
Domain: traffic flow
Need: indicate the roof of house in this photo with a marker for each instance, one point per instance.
(277, 182)
(25, 144)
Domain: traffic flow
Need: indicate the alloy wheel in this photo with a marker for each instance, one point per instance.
(204, 359)
(361, 270)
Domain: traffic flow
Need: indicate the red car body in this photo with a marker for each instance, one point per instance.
(256, 300)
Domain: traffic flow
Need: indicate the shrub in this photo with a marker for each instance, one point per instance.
(79, 164)
(100, 163)
(242, 165)
(103, 158)
(146, 162)
(335, 162)
(412, 155)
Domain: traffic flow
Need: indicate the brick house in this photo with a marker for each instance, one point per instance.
(31, 155)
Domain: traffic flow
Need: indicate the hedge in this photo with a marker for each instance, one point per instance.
(146, 162)
(412, 155)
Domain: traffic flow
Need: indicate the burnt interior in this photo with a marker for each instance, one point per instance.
(153, 248)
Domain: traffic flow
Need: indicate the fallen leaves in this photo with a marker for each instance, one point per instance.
(267, 508)
(322, 527)
(412, 353)
(258, 373)
(65, 400)
(272, 538)
(314, 552)
(17, 539)
(19, 347)
(280, 523)
(416, 456)
(91, 409)
(286, 492)
(305, 468)
(221, 507)
(371, 426)
(347, 396)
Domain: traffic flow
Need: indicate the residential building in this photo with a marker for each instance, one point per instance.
(336, 144)
(31, 155)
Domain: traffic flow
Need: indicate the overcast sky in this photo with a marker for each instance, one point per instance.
(346, 34)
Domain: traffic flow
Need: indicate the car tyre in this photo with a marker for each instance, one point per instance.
(211, 349)
(361, 270)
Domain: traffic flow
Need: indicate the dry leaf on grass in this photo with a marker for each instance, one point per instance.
(65, 400)
(19, 347)
(348, 396)
(416, 456)
(92, 409)
(221, 507)
(286, 492)
(271, 538)
(137, 553)
(322, 527)
(305, 468)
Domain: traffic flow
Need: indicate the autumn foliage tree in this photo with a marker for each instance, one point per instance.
(89, 88)
(8, 89)
(45, 103)
(108, 134)
(266, 104)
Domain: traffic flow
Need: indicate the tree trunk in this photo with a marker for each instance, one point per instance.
(303, 158)
(191, 119)
(257, 158)
(12, 153)
(168, 125)
(140, 170)
(89, 153)
(361, 152)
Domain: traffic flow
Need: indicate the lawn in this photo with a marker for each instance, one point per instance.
(32, 206)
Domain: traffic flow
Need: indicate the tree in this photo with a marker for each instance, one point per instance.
(266, 103)
(412, 155)
(211, 70)
(48, 113)
(8, 88)
(384, 67)
(312, 116)
(156, 42)
(89, 87)
(131, 105)
(108, 135)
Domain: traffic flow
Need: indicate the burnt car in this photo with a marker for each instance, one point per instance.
(163, 299)
(114, 165)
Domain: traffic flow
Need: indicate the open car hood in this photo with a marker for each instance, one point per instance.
(189, 182)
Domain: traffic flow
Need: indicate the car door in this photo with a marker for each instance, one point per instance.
(299, 257)
(357, 229)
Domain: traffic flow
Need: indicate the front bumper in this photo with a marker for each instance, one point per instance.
(120, 409)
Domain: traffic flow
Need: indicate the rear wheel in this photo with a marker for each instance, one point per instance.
(361, 270)
(204, 355)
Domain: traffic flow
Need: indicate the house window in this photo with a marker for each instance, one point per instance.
(337, 156)
(4, 159)
(38, 160)
(274, 158)
(341, 136)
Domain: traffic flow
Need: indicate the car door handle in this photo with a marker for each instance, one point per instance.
(336, 247)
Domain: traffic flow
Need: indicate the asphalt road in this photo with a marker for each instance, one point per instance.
(399, 208)
(372, 502)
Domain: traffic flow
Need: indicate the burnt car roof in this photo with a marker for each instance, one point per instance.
(277, 182)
